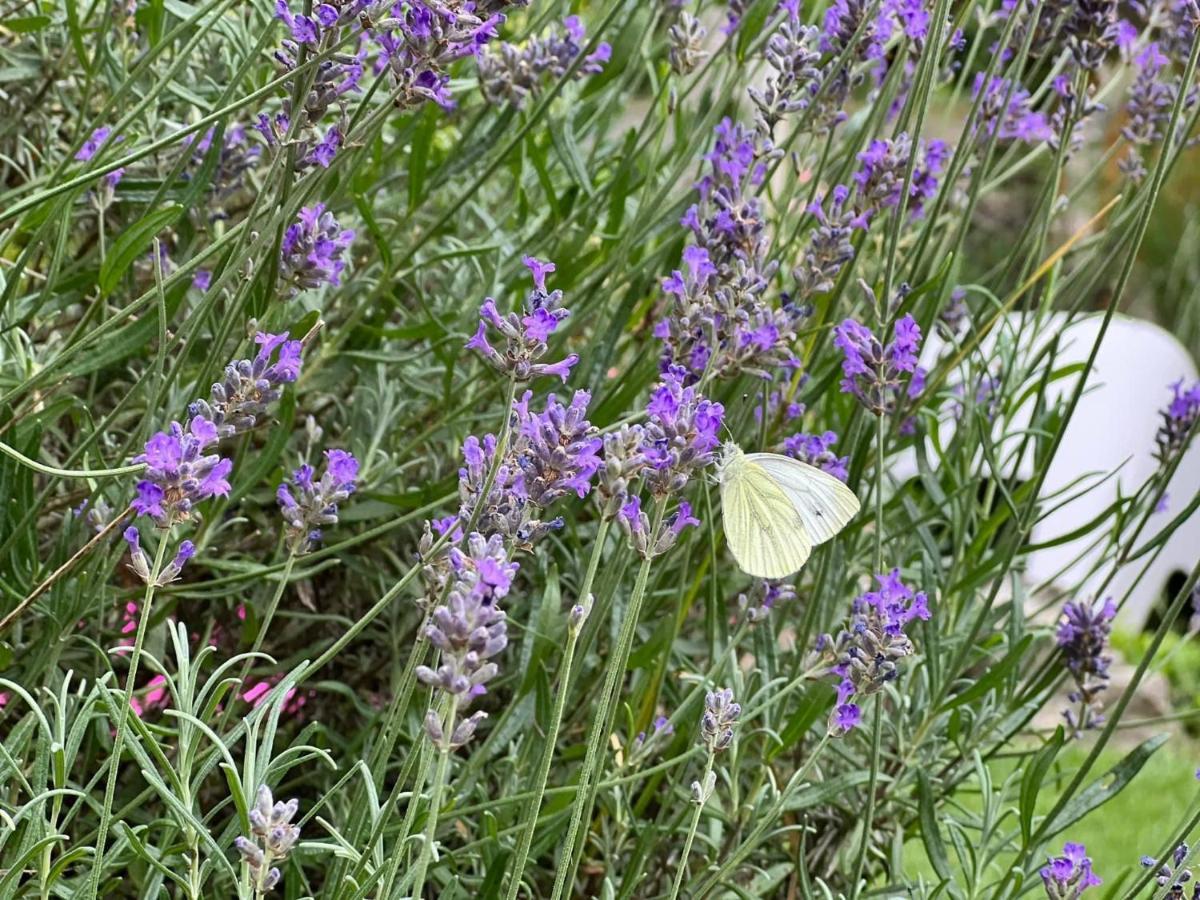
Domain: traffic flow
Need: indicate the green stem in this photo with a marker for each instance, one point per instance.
(435, 799)
(766, 822)
(68, 473)
(114, 761)
(601, 727)
(529, 826)
(284, 578)
(869, 817)
(691, 835)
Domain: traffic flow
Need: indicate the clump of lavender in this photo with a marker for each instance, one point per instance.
(1083, 631)
(955, 317)
(1091, 29)
(830, 246)
(866, 655)
(686, 42)
(420, 40)
(1173, 876)
(235, 156)
(307, 505)
(469, 629)
(179, 473)
(525, 334)
(719, 320)
(757, 603)
(251, 385)
(623, 461)
(1066, 877)
(1178, 421)
(272, 838)
(879, 179)
(639, 529)
(681, 434)
(1006, 111)
(312, 249)
(334, 77)
(95, 143)
(510, 73)
(140, 563)
(793, 55)
(554, 453)
(719, 717)
(816, 450)
(875, 373)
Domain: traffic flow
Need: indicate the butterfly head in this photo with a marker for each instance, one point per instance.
(731, 457)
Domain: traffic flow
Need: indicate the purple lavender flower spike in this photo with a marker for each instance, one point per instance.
(1178, 421)
(525, 333)
(250, 386)
(308, 505)
(312, 251)
(1082, 635)
(1008, 109)
(875, 373)
(272, 838)
(816, 450)
(179, 473)
(681, 435)
(718, 719)
(1066, 877)
(96, 140)
(1172, 875)
(469, 629)
(865, 656)
(510, 74)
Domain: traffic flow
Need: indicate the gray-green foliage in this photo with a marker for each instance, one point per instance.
(102, 344)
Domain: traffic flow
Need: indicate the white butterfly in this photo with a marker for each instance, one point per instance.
(776, 509)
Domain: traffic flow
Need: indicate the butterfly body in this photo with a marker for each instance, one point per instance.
(776, 509)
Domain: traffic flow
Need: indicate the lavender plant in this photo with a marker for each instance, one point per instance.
(494, 642)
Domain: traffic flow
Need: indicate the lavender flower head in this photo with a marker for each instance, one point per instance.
(1083, 631)
(866, 655)
(557, 450)
(757, 603)
(875, 373)
(251, 385)
(95, 142)
(1178, 421)
(469, 629)
(623, 462)
(830, 245)
(640, 530)
(719, 717)
(1172, 875)
(272, 837)
(1148, 109)
(179, 473)
(816, 450)
(307, 505)
(511, 73)
(686, 42)
(553, 454)
(793, 56)
(1091, 29)
(525, 334)
(681, 435)
(139, 562)
(1006, 111)
(1066, 877)
(312, 249)
(421, 39)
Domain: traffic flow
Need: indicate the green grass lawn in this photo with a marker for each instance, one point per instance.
(1139, 821)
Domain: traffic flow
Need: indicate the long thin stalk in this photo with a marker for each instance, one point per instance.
(435, 798)
(529, 826)
(123, 713)
(602, 726)
(698, 804)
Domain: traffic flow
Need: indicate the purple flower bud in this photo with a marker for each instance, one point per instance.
(312, 250)
(307, 506)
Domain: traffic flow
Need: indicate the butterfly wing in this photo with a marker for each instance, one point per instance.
(823, 503)
(762, 524)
